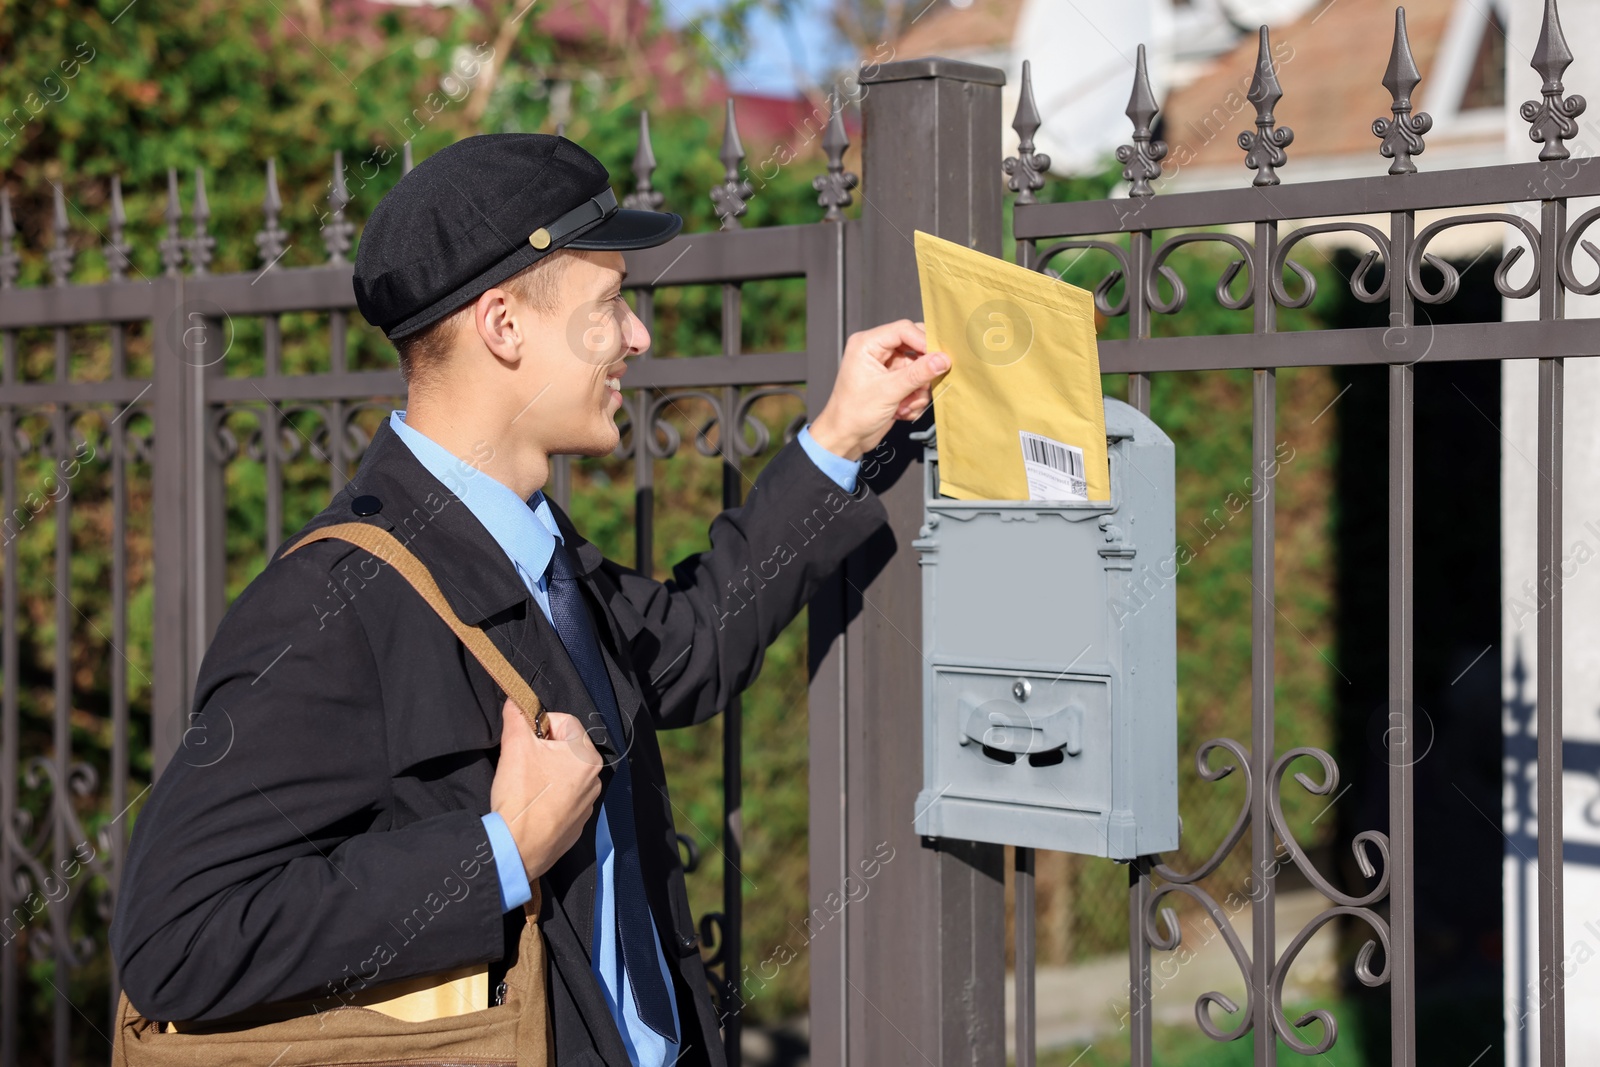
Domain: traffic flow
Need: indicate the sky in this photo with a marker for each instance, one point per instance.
(807, 42)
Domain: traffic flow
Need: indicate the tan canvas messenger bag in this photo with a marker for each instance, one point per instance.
(420, 1022)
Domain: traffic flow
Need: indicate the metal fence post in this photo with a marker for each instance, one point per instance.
(925, 954)
(170, 672)
(189, 507)
(828, 836)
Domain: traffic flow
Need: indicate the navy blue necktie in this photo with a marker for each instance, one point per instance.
(635, 929)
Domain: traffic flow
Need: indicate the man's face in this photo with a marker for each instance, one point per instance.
(584, 364)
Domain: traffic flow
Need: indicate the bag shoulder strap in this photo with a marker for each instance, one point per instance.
(384, 545)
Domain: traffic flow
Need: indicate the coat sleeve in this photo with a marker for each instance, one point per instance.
(264, 866)
(698, 639)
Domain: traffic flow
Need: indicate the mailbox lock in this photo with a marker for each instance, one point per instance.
(1021, 688)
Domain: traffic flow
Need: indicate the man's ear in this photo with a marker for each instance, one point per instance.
(498, 318)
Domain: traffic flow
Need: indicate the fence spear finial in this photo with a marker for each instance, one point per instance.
(644, 197)
(337, 232)
(172, 244)
(116, 249)
(1142, 159)
(1264, 148)
(61, 254)
(833, 187)
(269, 241)
(1551, 119)
(1025, 170)
(201, 243)
(730, 197)
(1401, 134)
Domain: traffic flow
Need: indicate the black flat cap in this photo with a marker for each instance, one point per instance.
(471, 215)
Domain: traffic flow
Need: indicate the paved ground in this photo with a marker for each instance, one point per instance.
(1087, 1002)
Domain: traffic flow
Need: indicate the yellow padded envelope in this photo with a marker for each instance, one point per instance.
(1020, 414)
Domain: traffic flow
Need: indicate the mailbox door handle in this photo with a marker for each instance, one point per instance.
(1074, 729)
(1002, 725)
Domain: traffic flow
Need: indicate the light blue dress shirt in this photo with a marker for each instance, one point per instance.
(527, 532)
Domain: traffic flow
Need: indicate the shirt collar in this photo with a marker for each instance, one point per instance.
(525, 530)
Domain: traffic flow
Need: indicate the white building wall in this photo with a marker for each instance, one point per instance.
(1581, 592)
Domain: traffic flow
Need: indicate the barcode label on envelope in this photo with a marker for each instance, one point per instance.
(1054, 469)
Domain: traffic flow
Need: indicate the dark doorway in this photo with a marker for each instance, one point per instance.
(1457, 695)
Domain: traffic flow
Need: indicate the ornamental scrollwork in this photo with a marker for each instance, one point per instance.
(1160, 928)
(761, 435)
(1102, 291)
(1163, 933)
(1240, 763)
(1374, 839)
(1451, 284)
(252, 432)
(713, 937)
(1308, 281)
(665, 438)
(357, 437)
(1571, 241)
(33, 434)
(1291, 1033)
(1159, 270)
(256, 433)
(30, 874)
(224, 440)
(138, 438)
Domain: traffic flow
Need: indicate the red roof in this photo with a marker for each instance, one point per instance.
(793, 122)
(1330, 63)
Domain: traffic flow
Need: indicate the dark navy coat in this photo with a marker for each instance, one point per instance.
(320, 827)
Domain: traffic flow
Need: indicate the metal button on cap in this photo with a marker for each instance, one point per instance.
(366, 505)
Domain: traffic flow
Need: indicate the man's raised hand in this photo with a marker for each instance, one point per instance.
(886, 374)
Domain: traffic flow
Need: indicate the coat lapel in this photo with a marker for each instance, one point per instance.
(476, 578)
(484, 589)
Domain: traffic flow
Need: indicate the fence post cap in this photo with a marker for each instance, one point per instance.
(931, 67)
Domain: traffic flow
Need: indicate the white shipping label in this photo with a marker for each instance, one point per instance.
(1054, 470)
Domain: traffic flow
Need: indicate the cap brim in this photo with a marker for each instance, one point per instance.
(625, 229)
(629, 228)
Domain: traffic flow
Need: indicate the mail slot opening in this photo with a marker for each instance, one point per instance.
(999, 755)
(1046, 759)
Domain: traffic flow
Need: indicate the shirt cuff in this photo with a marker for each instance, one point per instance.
(514, 888)
(841, 470)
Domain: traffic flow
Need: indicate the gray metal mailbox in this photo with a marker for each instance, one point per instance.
(1049, 666)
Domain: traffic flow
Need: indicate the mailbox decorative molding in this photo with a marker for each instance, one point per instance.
(1049, 674)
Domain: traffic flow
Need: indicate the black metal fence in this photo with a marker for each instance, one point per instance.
(147, 446)
(155, 449)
